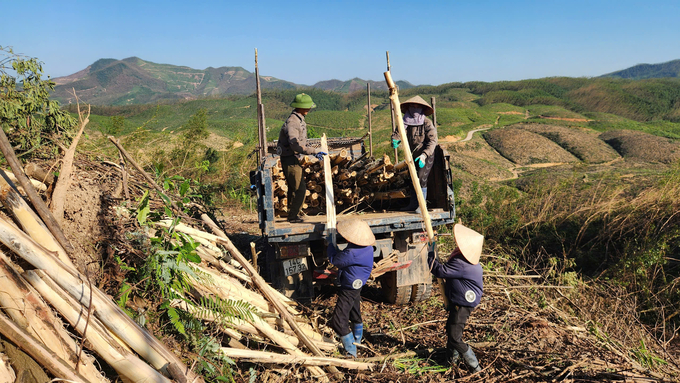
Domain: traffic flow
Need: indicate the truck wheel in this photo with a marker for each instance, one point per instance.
(421, 292)
(393, 294)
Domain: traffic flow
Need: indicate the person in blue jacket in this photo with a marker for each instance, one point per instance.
(354, 264)
(464, 289)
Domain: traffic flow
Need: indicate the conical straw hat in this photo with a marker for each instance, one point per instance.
(469, 242)
(356, 231)
(427, 109)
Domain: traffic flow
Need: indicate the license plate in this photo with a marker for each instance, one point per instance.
(294, 266)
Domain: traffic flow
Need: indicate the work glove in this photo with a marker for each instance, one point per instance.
(420, 161)
(320, 155)
(395, 143)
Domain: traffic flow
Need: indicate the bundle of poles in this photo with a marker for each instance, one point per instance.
(55, 314)
(362, 180)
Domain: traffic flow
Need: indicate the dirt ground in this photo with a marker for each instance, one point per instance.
(525, 330)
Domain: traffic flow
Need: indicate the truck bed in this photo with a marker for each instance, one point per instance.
(313, 227)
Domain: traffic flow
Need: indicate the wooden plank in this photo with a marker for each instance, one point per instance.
(330, 201)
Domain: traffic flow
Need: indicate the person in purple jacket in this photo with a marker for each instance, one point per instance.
(464, 288)
(354, 264)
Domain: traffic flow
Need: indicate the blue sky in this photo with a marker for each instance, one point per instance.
(431, 42)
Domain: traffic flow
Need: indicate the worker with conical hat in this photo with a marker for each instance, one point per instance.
(293, 142)
(464, 288)
(354, 264)
(422, 140)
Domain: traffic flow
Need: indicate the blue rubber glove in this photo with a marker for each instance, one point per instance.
(395, 143)
(431, 246)
(320, 155)
(420, 161)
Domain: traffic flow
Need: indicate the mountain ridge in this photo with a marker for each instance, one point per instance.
(133, 80)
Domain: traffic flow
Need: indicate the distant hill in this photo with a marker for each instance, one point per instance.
(647, 71)
(357, 84)
(136, 81)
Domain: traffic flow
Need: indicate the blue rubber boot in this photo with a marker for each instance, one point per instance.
(471, 360)
(348, 344)
(358, 331)
(424, 197)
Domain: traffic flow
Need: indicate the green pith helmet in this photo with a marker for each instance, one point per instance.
(303, 101)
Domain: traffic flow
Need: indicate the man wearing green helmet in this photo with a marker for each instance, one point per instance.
(293, 141)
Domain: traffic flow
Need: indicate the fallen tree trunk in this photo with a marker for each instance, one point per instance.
(128, 365)
(270, 357)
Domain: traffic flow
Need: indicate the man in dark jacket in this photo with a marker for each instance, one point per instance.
(354, 264)
(422, 139)
(464, 288)
(293, 141)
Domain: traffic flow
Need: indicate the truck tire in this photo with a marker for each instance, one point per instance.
(421, 292)
(393, 294)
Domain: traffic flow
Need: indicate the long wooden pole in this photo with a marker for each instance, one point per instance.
(396, 151)
(370, 128)
(39, 205)
(394, 97)
(434, 112)
(260, 114)
(330, 200)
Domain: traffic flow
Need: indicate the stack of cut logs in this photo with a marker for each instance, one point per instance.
(355, 182)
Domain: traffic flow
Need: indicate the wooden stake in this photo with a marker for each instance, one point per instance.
(330, 200)
(370, 130)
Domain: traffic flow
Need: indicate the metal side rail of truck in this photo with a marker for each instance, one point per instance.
(296, 251)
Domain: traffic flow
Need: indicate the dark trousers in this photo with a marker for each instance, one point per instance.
(458, 316)
(347, 309)
(296, 184)
(424, 172)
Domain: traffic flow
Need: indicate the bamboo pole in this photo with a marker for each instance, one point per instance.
(121, 359)
(44, 356)
(270, 357)
(39, 205)
(394, 98)
(266, 291)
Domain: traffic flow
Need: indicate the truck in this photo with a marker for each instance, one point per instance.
(294, 256)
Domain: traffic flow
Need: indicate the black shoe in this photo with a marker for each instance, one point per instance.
(294, 219)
